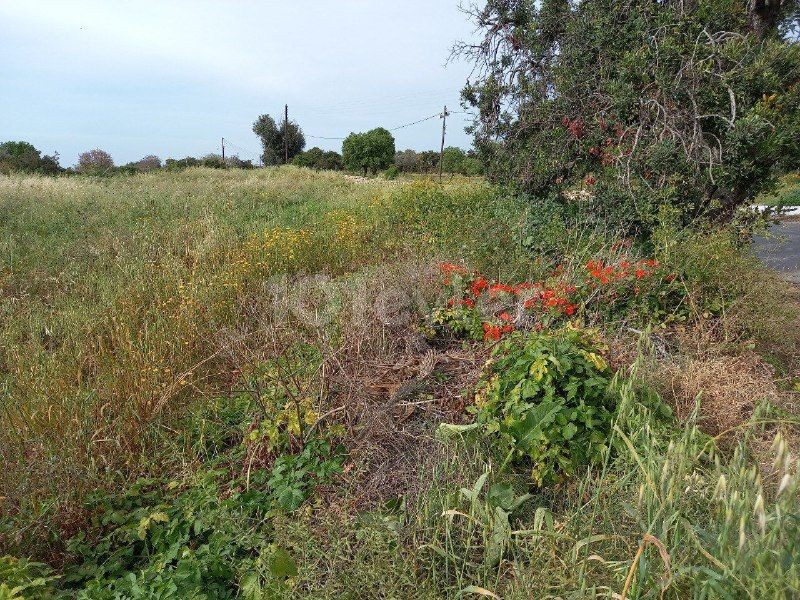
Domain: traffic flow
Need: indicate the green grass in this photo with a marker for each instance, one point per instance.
(787, 194)
(169, 428)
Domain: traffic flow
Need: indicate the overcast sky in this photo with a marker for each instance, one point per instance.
(174, 76)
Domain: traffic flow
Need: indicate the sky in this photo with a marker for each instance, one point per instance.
(173, 77)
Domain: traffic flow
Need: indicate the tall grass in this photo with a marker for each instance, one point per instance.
(113, 294)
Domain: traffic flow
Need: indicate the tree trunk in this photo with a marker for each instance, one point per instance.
(762, 16)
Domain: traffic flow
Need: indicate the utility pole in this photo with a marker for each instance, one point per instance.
(442, 116)
(223, 151)
(286, 135)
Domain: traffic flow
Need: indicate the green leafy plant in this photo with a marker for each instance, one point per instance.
(294, 477)
(546, 399)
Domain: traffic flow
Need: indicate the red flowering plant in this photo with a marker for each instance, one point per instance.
(480, 309)
(627, 286)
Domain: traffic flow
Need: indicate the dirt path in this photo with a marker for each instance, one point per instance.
(781, 251)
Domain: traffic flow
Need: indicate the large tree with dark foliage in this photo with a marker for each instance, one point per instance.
(25, 158)
(273, 136)
(689, 104)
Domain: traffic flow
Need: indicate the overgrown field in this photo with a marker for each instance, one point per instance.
(280, 383)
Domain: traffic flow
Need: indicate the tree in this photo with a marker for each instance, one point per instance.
(452, 159)
(272, 139)
(428, 161)
(24, 157)
(331, 161)
(95, 162)
(371, 151)
(147, 163)
(172, 164)
(407, 161)
(690, 105)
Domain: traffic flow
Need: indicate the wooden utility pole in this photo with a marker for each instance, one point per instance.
(443, 116)
(286, 135)
(223, 150)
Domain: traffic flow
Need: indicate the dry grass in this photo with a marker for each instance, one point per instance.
(728, 388)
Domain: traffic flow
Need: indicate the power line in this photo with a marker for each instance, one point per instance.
(320, 137)
(415, 122)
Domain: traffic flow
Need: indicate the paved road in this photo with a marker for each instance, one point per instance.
(781, 251)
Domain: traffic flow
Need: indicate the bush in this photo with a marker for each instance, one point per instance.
(391, 173)
(546, 400)
(95, 162)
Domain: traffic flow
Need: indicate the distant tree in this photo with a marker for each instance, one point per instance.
(407, 161)
(234, 162)
(309, 159)
(147, 163)
(95, 162)
(272, 139)
(316, 158)
(331, 161)
(24, 157)
(213, 161)
(370, 151)
(428, 161)
(172, 164)
(453, 159)
(471, 165)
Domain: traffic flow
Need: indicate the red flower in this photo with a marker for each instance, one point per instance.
(492, 332)
(589, 180)
(570, 310)
(451, 302)
(504, 316)
(469, 303)
(500, 287)
(508, 328)
(641, 273)
(478, 286)
(529, 303)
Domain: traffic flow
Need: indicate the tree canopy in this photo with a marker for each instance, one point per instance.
(316, 158)
(24, 157)
(690, 105)
(371, 151)
(95, 162)
(273, 136)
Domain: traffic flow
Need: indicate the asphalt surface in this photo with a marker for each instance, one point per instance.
(781, 249)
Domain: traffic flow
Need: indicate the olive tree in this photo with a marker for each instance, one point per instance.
(368, 152)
